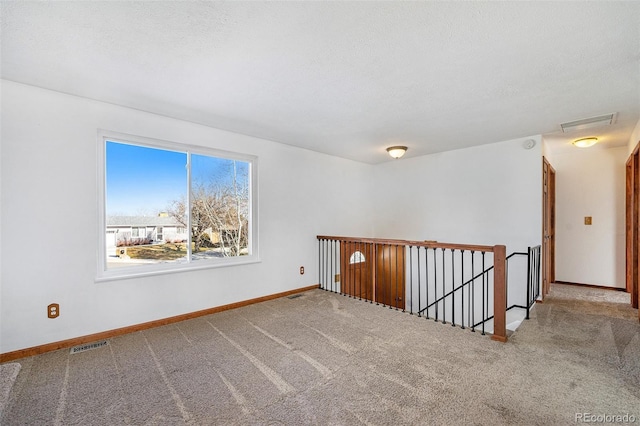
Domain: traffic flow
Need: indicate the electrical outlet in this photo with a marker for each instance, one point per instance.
(587, 220)
(53, 310)
(336, 278)
(302, 270)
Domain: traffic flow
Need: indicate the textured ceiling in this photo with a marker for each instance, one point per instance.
(344, 78)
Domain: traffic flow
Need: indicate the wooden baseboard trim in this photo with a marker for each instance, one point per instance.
(601, 287)
(63, 344)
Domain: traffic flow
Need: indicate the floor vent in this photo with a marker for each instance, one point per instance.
(295, 296)
(88, 347)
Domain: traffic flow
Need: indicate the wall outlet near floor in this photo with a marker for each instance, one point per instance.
(302, 270)
(587, 220)
(53, 310)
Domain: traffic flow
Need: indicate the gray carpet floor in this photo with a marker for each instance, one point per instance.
(323, 358)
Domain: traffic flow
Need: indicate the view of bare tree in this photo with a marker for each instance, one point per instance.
(219, 211)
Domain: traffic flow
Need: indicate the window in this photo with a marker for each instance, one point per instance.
(168, 207)
(357, 257)
(139, 232)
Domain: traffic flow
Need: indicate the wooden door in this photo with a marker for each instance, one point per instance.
(632, 206)
(552, 225)
(636, 227)
(548, 225)
(390, 275)
(356, 269)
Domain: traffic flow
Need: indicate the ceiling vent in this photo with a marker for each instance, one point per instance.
(587, 123)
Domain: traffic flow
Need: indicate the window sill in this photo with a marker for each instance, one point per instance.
(124, 273)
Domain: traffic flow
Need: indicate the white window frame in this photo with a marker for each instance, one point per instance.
(104, 274)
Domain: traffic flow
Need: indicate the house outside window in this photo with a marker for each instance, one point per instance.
(168, 207)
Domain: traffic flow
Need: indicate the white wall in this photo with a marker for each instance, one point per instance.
(483, 195)
(590, 182)
(488, 195)
(49, 186)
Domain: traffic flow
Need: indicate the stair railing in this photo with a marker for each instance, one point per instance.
(463, 285)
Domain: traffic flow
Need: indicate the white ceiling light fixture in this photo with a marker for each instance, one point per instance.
(396, 151)
(588, 123)
(585, 142)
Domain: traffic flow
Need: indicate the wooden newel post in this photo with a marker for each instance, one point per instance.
(499, 294)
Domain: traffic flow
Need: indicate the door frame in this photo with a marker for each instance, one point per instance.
(548, 226)
(632, 226)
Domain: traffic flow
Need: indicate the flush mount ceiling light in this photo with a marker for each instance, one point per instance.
(396, 151)
(588, 123)
(585, 142)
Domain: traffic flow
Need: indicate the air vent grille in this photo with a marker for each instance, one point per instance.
(587, 123)
(88, 347)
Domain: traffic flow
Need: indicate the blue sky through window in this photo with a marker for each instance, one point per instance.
(143, 181)
(214, 170)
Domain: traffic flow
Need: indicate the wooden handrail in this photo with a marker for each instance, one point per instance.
(499, 266)
(414, 243)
